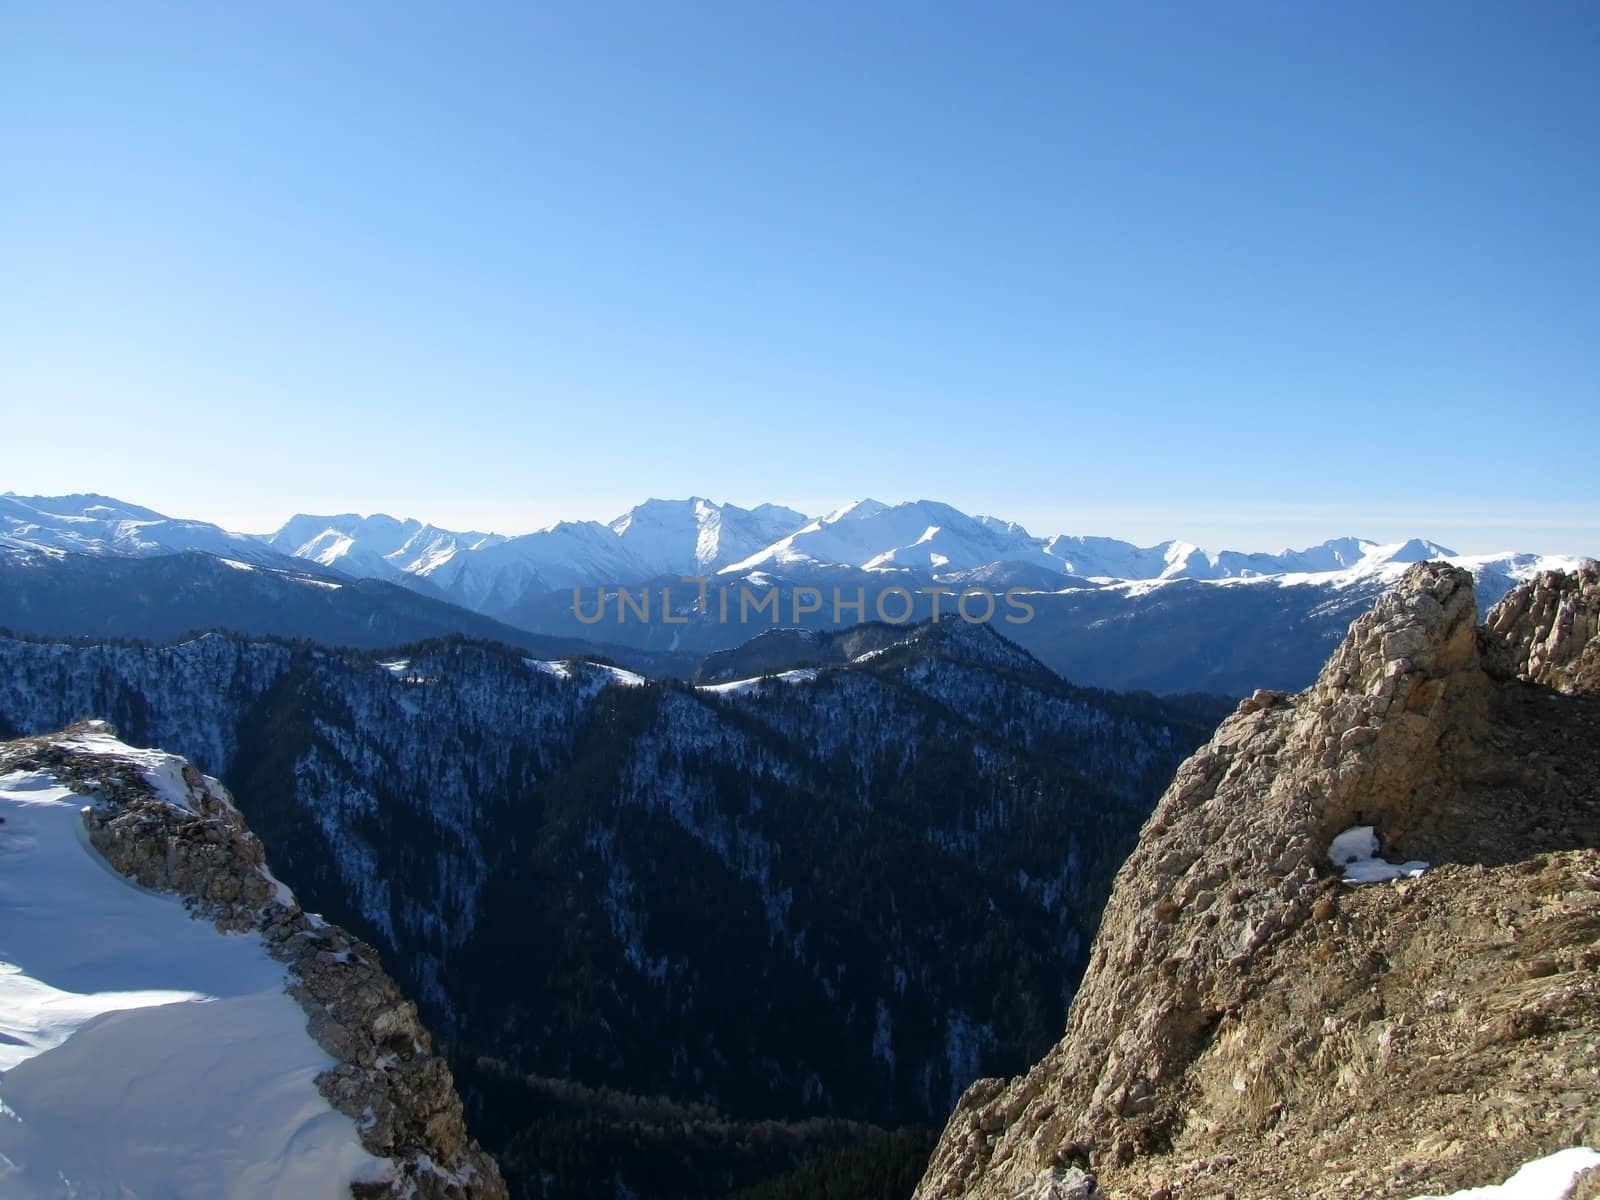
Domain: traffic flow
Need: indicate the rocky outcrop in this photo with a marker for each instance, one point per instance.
(163, 824)
(1548, 631)
(1251, 1025)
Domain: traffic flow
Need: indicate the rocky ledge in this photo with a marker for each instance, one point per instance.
(186, 836)
(1251, 1025)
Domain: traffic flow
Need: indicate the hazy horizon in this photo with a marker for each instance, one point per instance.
(1143, 529)
(1252, 276)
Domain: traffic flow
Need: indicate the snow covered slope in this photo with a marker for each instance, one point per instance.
(564, 555)
(90, 524)
(1109, 559)
(940, 542)
(136, 1040)
(491, 573)
(143, 1051)
(921, 535)
(379, 546)
(659, 538)
(1171, 616)
(697, 536)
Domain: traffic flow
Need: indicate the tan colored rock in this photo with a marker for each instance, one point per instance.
(1548, 631)
(1224, 1041)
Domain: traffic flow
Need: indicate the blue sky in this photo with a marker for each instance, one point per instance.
(1248, 274)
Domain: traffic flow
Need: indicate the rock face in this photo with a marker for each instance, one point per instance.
(1251, 1025)
(197, 845)
(1545, 631)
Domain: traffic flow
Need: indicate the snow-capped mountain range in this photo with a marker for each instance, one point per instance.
(1166, 618)
(492, 573)
(88, 524)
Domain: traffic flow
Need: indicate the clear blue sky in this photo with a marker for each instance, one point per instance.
(1247, 273)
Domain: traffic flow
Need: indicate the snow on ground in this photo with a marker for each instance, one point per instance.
(733, 688)
(1387, 565)
(620, 677)
(1548, 1178)
(559, 669)
(162, 771)
(608, 674)
(142, 1053)
(1356, 850)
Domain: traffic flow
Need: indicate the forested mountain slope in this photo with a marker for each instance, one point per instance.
(846, 895)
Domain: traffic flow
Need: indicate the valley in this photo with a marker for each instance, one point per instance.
(839, 895)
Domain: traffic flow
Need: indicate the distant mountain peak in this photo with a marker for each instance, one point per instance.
(856, 510)
(1417, 550)
(83, 503)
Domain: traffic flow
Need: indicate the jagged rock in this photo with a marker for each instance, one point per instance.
(1236, 986)
(1545, 631)
(388, 1079)
(1054, 1183)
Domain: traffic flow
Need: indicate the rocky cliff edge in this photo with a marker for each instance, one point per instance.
(1251, 1025)
(161, 823)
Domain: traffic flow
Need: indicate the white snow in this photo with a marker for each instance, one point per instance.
(162, 771)
(144, 1053)
(280, 890)
(1356, 850)
(921, 534)
(620, 677)
(697, 536)
(1549, 1178)
(734, 687)
(379, 546)
(608, 674)
(89, 524)
(661, 539)
(1386, 564)
(559, 669)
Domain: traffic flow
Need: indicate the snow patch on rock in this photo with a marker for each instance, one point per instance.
(1549, 1178)
(143, 1051)
(1356, 850)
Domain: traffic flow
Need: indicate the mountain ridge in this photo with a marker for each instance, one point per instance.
(660, 538)
(167, 598)
(1189, 621)
(648, 886)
